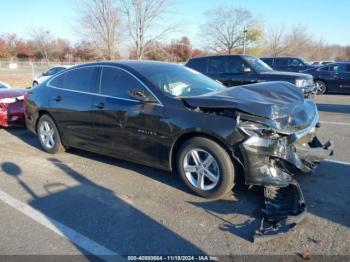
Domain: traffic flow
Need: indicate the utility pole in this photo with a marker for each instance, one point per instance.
(244, 39)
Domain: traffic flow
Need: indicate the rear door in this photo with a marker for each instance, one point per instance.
(231, 71)
(123, 126)
(70, 104)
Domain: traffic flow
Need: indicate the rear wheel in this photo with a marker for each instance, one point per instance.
(205, 167)
(321, 87)
(48, 135)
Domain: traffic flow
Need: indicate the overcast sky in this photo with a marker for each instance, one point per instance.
(326, 19)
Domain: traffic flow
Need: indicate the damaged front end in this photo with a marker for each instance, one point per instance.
(272, 153)
(277, 140)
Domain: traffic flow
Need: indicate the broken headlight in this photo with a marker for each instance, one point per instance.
(253, 128)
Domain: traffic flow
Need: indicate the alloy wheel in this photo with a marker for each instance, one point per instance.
(201, 169)
(320, 87)
(47, 134)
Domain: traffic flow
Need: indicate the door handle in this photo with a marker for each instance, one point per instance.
(99, 105)
(57, 98)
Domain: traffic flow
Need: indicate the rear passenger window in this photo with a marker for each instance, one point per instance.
(198, 64)
(281, 62)
(116, 82)
(81, 79)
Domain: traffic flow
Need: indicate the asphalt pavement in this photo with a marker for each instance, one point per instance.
(79, 203)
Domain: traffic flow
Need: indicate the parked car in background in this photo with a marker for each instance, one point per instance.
(332, 78)
(236, 70)
(49, 73)
(11, 106)
(4, 85)
(171, 117)
(288, 63)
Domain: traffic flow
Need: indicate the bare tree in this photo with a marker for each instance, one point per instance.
(100, 24)
(224, 29)
(275, 41)
(142, 17)
(298, 41)
(43, 42)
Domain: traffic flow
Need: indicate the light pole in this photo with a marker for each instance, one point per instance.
(244, 38)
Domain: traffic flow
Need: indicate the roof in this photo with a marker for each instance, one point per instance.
(214, 56)
(274, 57)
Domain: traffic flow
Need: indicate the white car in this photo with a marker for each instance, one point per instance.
(3, 85)
(49, 73)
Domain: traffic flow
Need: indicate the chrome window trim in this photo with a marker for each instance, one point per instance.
(99, 87)
(95, 94)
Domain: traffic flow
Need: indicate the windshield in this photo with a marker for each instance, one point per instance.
(179, 81)
(257, 64)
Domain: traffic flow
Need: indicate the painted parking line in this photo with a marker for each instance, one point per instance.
(66, 232)
(335, 123)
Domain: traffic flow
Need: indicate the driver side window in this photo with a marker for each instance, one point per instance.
(295, 62)
(116, 83)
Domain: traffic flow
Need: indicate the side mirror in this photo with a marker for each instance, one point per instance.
(247, 70)
(141, 95)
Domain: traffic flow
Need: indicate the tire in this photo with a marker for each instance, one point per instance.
(321, 87)
(35, 83)
(222, 168)
(48, 135)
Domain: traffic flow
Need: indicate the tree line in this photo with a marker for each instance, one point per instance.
(139, 29)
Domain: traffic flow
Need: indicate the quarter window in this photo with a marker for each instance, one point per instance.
(116, 83)
(81, 79)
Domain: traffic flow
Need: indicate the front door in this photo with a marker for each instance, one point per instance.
(126, 127)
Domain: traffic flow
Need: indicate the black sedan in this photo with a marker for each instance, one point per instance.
(332, 78)
(171, 117)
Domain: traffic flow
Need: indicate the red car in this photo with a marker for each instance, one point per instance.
(11, 107)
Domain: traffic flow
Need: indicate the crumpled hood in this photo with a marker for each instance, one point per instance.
(12, 92)
(281, 105)
(269, 99)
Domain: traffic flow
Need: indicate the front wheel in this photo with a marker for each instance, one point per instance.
(321, 87)
(48, 135)
(205, 167)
